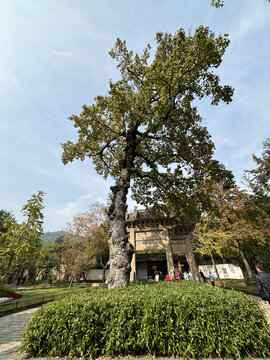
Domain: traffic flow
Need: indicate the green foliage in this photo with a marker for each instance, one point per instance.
(217, 3)
(21, 243)
(258, 179)
(48, 259)
(147, 128)
(5, 289)
(6, 218)
(181, 318)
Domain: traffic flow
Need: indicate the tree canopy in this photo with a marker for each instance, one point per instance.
(258, 179)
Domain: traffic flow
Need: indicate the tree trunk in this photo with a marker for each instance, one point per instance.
(214, 264)
(245, 261)
(103, 267)
(71, 281)
(8, 275)
(121, 250)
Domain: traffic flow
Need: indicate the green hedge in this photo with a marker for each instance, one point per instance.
(181, 318)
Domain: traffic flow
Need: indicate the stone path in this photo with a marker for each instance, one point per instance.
(12, 325)
(266, 308)
(10, 332)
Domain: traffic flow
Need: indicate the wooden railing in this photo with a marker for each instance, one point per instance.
(35, 300)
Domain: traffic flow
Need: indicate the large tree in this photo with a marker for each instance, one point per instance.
(147, 134)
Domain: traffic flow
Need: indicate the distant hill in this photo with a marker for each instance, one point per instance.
(51, 236)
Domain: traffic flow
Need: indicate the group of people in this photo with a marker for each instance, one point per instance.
(158, 276)
(262, 279)
(83, 277)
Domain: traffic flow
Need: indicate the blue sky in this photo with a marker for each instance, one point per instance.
(54, 58)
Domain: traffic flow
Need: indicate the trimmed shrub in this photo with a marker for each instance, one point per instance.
(5, 289)
(183, 319)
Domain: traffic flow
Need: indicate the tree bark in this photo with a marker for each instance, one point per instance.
(71, 282)
(8, 275)
(245, 261)
(214, 264)
(121, 250)
(103, 267)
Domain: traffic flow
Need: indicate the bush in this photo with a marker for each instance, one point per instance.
(5, 290)
(181, 318)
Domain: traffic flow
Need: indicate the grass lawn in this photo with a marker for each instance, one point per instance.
(33, 292)
(32, 297)
(240, 285)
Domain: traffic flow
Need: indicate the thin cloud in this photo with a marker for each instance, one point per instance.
(62, 54)
(251, 23)
(73, 207)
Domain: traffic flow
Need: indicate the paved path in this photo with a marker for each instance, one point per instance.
(12, 325)
(266, 308)
(10, 332)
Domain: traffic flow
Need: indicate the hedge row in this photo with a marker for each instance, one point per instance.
(183, 318)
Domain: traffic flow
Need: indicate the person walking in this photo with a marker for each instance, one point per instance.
(24, 276)
(211, 278)
(186, 276)
(263, 283)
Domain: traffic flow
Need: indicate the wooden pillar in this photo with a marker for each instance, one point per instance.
(191, 260)
(133, 276)
(169, 255)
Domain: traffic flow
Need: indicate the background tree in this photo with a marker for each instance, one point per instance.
(48, 260)
(21, 243)
(258, 179)
(91, 228)
(235, 224)
(210, 238)
(75, 260)
(98, 247)
(148, 131)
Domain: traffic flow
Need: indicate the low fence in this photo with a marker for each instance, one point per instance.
(30, 301)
